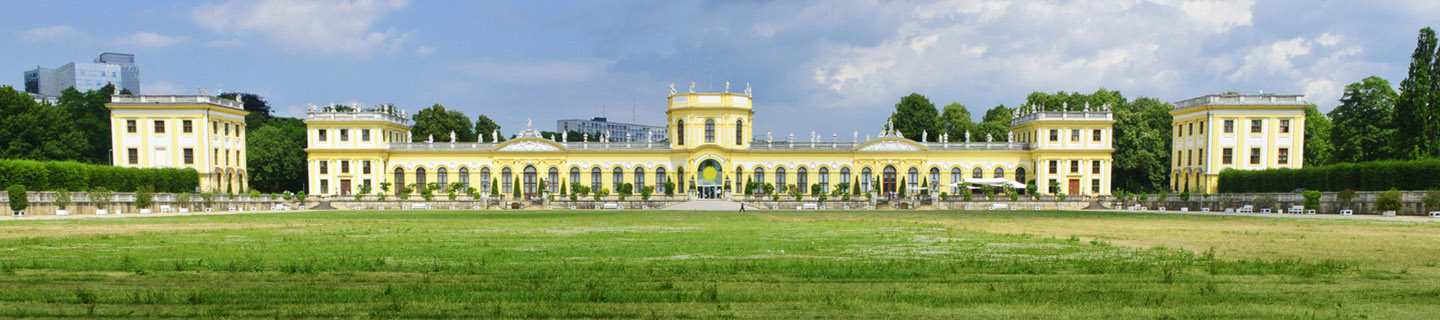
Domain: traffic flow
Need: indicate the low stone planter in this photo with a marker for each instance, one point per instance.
(62, 212)
(144, 211)
(102, 211)
(184, 210)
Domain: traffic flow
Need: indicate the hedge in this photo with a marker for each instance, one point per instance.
(75, 176)
(1366, 176)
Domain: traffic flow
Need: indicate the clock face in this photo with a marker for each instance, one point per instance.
(709, 173)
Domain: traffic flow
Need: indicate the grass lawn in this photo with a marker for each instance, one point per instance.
(567, 264)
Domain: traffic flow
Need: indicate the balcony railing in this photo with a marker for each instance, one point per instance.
(1062, 116)
(176, 99)
(1237, 99)
(356, 116)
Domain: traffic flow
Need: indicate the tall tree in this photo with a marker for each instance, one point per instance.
(1363, 127)
(485, 127)
(998, 114)
(91, 118)
(276, 161)
(955, 120)
(260, 111)
(915, 116)
(439, 122)
(1142, 145)
(1418, 106)
(35, 131)
(1317, 137)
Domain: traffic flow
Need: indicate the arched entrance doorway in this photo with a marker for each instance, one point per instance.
(710, 180)
(888, 182)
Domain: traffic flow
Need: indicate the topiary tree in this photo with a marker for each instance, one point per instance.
(1014, 195)
(1312, 199)
(1431, 200)
(944, 196)
(1185, 196)
(515, 189)
(183, 199)
(669, 187)
(62, 199)
(300, 197)
(925, 187)
(855, 188)
(206, 198)
(144, 196)
(1389, 201)
(646, 191)
(18, 199)
(902, 188)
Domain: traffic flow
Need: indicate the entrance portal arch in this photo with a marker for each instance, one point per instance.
(710, 179)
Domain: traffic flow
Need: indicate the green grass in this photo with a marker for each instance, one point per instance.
(567, 264)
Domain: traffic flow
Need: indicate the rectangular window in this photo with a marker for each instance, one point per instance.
(365, 167)
(344, 166)
(1054, 135)
(1096, 135)
(1201, 159)
(227, 129)
(344, 135)
(1192, 129)
(1256, 125)
(1095, 186)
(324, 167)
(321, 132)
(1053, 166)
(215, 126)
(324, 186)
(227, 157)
(1284, 126)
(1189, 157)
(133, 155)
(365, 135)
(159, 126)
(1095, 167)
(1229, 126)
(189, 155)
(1074, 134)
(187, 127)
(130, 126)
(1202, 127)
(1254, 155)
(1227, 156)
(1283, 156)
(1074, 166)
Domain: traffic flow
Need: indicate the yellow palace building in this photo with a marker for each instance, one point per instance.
(1232, 131)
(201, 132)
(711, 144)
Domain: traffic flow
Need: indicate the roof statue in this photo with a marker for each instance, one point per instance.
(692, 86)
(747, 88)
(452, 136)
(1065, 106)
(431, 139)
(1087, 105)
(924, 135)
(857, 136)
(768, 137)
(312, 107)
(115, 91)
(987, 137)
(1010, 136)
(727, 86)
(495, 135)
(586, 137)
(672, 88)
(967, 136)
(565, 136)
(899, 134)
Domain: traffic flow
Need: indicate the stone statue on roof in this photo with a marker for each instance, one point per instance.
(924, 135)
(727, 86)
(967, 136)
(987, 137)
(672, 88)
(747, 88)
(452, 135)
(692, 86)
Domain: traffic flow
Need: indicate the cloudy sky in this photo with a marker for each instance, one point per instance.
(831, 66)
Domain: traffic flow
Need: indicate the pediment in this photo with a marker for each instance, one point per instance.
(891, 145)
(529, 145)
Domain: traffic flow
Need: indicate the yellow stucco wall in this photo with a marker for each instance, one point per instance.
(216, 137)
(1201, 138)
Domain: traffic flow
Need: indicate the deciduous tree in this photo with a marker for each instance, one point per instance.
(1363, 125)
(439, 122)
(914, 116)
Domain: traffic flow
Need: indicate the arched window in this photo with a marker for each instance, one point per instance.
(739, 134)
(595, 177)
(553, 182)
(506, 185)
(914, 175)
(999, 173)
(442, 178)
(887, 183)
(780, 179)
(739, 179)
(485, 180)
(1020, 175)
(399, 179)
(619, 179)
(760, 175)
(530, 183)
(935, 178)
(802, 179)
(574, 176)
(866, 180)
(680, 132)
(845, 176)
(825, 180)
(709, 130)
(977, 173)
(465, 177)
(956, 177)
(639, 180)
(419, 178)
(660, 180)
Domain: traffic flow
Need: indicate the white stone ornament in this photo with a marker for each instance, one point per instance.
(889, 146)
(452, 136)
(528, 146)
(924, 135)
(747, 89)
(431, 139)
(727, 86)
(672, 88)
(967, 136)
(692, 86)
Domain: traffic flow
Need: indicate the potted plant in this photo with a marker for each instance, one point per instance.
(207, 200)
(18, 200)
(300, 197)
(184, 200)
(101, 198)
(144, 197)
(1388, 202)
(62, 201)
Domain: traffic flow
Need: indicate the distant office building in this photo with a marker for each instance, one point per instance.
(109, 68)
(615, 130)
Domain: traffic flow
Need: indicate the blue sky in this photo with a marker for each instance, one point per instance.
(832, 66)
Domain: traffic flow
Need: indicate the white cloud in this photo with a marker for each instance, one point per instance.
(556, 72)
(1219, 15)
(149, 40)
(330, 27)
(47, 33)
(232, 43)
(424, 51)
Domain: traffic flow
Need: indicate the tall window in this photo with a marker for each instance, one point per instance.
(320, 133)
(825, 180)
(660, 179)
(619, 175)
(802, 179)
(639, 179)
(344, 134)
(399, 180)
(977, 173)
(365, 135)
(345, 166)
(464, 177)
(1096, 135)
(442, 176)
(130, 126)
(506, 184)
(865, 179)
(1075, 135)
(914, 175)
(1229, 126)
(1254, 155)
(187, 126)
(324, 165)
(1095, 186)
(595, 177)
(189, 154)
(1095, 167)
(574, 176)
(1191, 129)
(680, 132)
(934, 178)
(955, 178)
(1284, 126)
(485, 180)
(845, 175)
(365, 167)
(739, 133)
(1256, 125)
(739, 179)
(887, 182)
(999, 173)
(1020, 175)
(1202, 127)
(1074, 166)
(709, 130)
(1283, 156)
(530, 182)
(553, 180)
(419, 178)
(760, 175)
(1227, 156)
(159, 126)
(780, 179)
(1054, 135)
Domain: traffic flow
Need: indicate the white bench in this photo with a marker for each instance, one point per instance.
(1265, 210)
(281, 207)
(232, 208)
(1435, 214)
(615, 206)
(810, 206)
(166, 209)
(1205, 210)
(1296, 209)
(420, 206)
(1229, 210)
(1311, 211)
(1388, 213)
(1184, 209)
(1143, 208)
(999, 206)
(1247, 209)
(1347, 212)
(1160, 209)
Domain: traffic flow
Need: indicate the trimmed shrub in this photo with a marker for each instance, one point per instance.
(75, 176)
(144, 197)
(1389, 201)
(1367, 176)
(101, 197)
(62, 199)
(1431, 200)
(183, 199)
(18, 200)
(1312, 200)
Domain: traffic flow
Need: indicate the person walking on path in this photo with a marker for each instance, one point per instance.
(742, 205)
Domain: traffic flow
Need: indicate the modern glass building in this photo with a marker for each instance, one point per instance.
(615, 130)
(109, 68)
